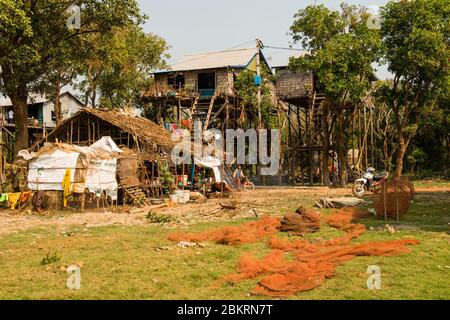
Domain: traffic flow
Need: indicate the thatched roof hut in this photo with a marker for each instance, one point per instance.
(149, 140)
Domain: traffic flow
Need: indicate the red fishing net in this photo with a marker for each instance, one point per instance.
(393, 198)
(247, 233)
(301, 222)
(312, 262)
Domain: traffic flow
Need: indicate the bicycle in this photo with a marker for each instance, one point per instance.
(247, 185)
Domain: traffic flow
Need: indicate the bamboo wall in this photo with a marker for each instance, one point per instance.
(224, 82)
(292, 85)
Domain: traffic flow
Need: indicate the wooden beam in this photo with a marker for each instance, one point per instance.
(208, 117)
(219, 111)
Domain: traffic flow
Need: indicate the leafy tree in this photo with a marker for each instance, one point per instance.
(433, 138)
(120, 65)
(385, 132)
(415, 35)
(341, 49)
(34, 34)
(247, 92)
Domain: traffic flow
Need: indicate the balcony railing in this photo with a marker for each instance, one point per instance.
(30, 124)
(206, 93)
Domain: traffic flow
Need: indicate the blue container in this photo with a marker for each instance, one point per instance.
(258, 80)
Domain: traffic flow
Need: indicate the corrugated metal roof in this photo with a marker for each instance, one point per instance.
(214, 60)
(35, 98)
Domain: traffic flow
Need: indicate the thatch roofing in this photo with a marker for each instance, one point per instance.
(148, 135)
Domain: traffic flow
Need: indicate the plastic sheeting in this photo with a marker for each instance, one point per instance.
(213, 163)
(101, 175)
(106, 144)
(98, 173)
(47, 171)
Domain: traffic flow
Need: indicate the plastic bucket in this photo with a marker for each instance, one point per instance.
(187, 196)
(173, 198)
(180, 196)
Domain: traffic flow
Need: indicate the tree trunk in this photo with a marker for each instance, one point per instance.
(57, 105)
(17, 91)
(387, 155)
(401, 151)
(342, 150)
(19, 101)
(94, 96)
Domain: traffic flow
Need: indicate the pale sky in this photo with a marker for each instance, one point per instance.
(191, 26)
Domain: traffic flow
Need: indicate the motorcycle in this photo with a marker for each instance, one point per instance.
(369, 180)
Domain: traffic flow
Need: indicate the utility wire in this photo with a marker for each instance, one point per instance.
(235, 47)
(284, 48)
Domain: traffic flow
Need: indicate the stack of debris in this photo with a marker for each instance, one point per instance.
(301, 222)
(342, 202)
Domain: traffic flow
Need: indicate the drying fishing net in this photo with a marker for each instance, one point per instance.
(312, 262)
(248, 233)
(301, 222)
(393, 198)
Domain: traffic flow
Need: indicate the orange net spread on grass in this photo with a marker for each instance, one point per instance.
(247, 233)
(312, 263)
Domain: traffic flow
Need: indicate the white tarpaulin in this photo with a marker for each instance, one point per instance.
(98, 173)
(106, 144)
(213, 163)
(47, 171)
(101, 175)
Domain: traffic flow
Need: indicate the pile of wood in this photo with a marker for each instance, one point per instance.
(301, 222)
(342, 202)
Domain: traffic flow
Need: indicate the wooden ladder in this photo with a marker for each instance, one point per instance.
(194, 106)
(208, 117)
(139, 197)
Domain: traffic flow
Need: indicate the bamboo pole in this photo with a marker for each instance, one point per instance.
(71, 131)
(89, 129)
(396, 198)
(384, 201)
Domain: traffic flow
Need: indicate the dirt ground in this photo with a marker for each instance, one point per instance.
(249, 204)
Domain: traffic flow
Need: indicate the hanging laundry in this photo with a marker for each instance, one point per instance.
(187, 124)
(25, 196)
(66, 186)
(13, 199)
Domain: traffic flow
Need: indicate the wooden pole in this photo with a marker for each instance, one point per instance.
(98, 130)
(1, 158)
(396, 198)
(71, 131)
(365, 138)
(258, 73)
(384, 201)
(89, 129)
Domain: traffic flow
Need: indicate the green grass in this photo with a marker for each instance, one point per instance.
(122, 263)
(432, 183)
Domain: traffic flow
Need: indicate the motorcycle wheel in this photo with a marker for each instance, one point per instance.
(359, 190)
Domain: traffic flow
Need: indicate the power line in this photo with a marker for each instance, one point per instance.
(284, 48)
(237, 46)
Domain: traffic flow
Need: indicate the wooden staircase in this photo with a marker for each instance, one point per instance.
(138, 196)
(315, 115)
(228, 177)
